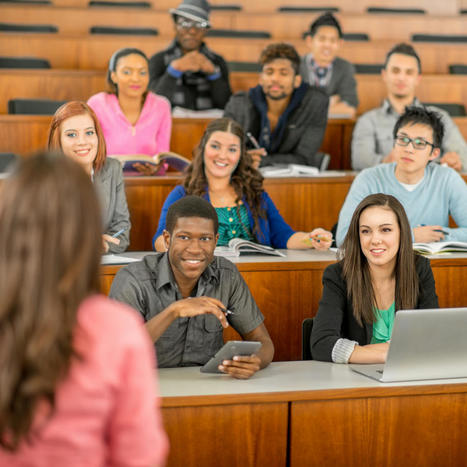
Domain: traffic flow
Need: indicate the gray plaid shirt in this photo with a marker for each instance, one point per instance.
(149, 287)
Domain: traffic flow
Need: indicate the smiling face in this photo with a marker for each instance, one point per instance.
(411, 162)
(278, 79)
(324, 45)
(78, 139)
(401, 76)
(221, 154)
(131, 76)
(190, 248)
(379, 236)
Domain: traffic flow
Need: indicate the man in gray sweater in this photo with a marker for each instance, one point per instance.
(284, 118)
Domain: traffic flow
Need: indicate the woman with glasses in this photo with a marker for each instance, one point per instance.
(378, 274)
(77, 380)
(429, 192)
(188, 73)
(133, 119)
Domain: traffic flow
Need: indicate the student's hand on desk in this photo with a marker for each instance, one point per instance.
(453, 160)
(106, 239)
(320, 239)
(147, 169)
(241, 367)
(256, 156)
(189, 307)
(428, 233)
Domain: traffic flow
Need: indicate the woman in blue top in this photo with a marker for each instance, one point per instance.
(221, 172)
(378, 275)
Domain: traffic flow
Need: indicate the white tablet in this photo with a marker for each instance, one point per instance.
(228, 351)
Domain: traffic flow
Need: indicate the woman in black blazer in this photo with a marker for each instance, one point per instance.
(378, 274)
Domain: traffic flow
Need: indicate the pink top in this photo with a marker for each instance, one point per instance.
(106, 411)
(151, 133)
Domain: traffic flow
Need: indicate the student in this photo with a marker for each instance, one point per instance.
(372, 141)
(287, 118)
(76, 132)
(429, 192)
(221, 172)
(188, 73)
(133, 119)
(323, 68)
(378, 275)
(183, 295)
(76, 369)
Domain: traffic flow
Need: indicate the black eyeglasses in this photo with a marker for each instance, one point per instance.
(417, 143)
(187, 24)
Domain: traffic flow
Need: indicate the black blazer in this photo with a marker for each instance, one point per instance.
(335, 318)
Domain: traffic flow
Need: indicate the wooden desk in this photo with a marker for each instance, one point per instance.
(92, 52)
(23, 134)
(287, 290)
(280, 26)
(312, 413)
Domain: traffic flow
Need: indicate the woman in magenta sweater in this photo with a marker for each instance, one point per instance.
(133, 119)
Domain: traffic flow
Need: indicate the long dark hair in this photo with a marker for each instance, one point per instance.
(50, 244)
(245, 180)
(355, 265)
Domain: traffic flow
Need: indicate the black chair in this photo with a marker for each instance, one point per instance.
(124, 31)
(7, 161)
(454, 110)
(355, 36)
(404, 11)
(368, 68)
(33, 106)
(230, 7)
(45, 28)
(458, 69)
(307, 326)
(244, 66)
(307, 9)
(439, 38)
(24, 62)
(111, 4)
(234, 33)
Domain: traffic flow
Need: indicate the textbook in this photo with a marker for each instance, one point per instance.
(241, 247)
(174, 160)
(437, 248)
(289, 170)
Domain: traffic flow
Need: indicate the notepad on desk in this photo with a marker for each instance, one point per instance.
(438, 248)
(117, 259)
(289, 170)
(240, 247)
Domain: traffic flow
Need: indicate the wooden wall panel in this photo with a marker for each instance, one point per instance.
(228, 435)
(389, 431)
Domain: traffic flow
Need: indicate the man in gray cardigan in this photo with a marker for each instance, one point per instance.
(321, 67)
(284, 118)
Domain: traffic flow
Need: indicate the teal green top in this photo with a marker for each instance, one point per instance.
(233, 223)
(382, 327)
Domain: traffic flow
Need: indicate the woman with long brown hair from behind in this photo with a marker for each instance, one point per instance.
(76, 369)
(378, 274)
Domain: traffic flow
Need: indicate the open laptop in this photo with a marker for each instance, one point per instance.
(425, 344)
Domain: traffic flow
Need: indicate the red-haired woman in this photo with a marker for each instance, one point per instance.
(76, 132)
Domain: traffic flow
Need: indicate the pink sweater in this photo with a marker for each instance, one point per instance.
(149, 136)
(106, 411)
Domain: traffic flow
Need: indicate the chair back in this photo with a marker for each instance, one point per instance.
(307, 327)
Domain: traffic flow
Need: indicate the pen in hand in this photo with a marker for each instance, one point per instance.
(117, 234)
(253, 140)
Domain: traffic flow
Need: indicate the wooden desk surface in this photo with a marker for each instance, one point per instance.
(312, 413)
(92, 52)
(287, 290)
(280, 26)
